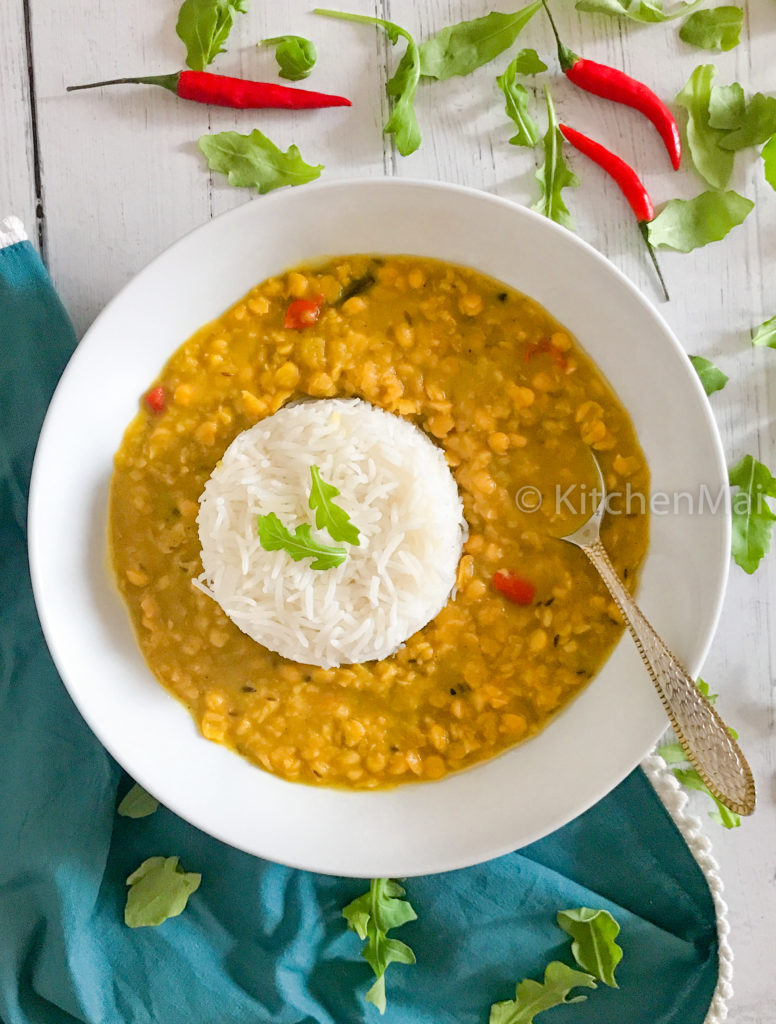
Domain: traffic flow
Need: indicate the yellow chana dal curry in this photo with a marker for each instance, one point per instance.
(513, 402)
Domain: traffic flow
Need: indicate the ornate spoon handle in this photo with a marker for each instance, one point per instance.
(704, 736)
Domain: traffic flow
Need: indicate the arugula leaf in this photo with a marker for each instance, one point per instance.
(300, 544)
(673, 754)
(752, 516)
(704, 689)
(527, 62)
(645, 11)
(403, 122)
(554, 175)
(462, 48)
(717, 29)
(532, 997)
(758, 125)
(204, 25)
(765, 335)
(329, 516)
(593, 948)
(727, 106)
(371, 916)
(712, 163)
(768, 154)
(295, 55)
(137, 803)
(254, 161)
(159, 889)
(690, 779)
(685, 225)
(711, 377)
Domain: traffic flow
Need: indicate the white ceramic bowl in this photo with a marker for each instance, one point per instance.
(415, 829)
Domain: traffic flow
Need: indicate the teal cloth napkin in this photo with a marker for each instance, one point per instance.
(258, 942)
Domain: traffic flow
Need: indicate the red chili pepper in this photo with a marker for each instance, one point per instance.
(629, 182)
(156, 399)
(514, 587)
(613, 84)
(303, 313)
(546, 346)
(222, 91)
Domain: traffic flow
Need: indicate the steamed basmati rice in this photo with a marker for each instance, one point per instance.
(396, 487)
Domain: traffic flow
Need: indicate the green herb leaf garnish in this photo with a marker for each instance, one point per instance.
(705, 690)
(711, 377)
(159, 889)
(533, 997)
(300, 544)
(371, 916)
(673, 754)
(593, 948)
(752, 516)
(769, 159)
(690, 779)
(727, 106)
(554, 174)
(462, 48)
(645, 11)
(714, 165)
(137, 803)
(254, 161)
(296, 56)
(402, 87)
(403, 122)
(765, 335)
(527, 62)
(357, 286)
(204, 25)
(758, 124)
(329, 516)
(717, 29)
(685, 225)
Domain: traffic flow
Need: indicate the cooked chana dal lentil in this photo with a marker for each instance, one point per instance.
(513, 402)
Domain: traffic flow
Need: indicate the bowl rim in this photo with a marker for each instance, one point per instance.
(35, 511)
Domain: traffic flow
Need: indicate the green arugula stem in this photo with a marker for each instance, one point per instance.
(166, 81)
(566, 56)
(644, 232)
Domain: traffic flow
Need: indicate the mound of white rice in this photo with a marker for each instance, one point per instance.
(396, 487)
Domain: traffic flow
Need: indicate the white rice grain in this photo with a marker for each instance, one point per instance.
(396, 487)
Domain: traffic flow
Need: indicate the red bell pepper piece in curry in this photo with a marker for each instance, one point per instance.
(303, 313)
(515, 588)
(156, 399)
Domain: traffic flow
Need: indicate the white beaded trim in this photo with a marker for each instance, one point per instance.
(675, 799)
(11, 232)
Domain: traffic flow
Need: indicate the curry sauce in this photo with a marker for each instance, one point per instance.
(514, 403)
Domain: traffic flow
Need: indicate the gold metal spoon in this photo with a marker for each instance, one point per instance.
(703, 735)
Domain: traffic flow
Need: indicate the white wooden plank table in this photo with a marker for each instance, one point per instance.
(105, 180)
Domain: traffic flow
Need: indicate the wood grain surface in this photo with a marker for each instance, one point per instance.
(116, 176)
